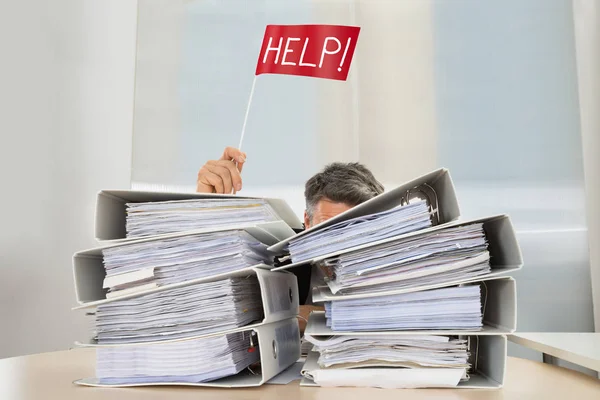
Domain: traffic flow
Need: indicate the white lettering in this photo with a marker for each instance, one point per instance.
(302, 63)
(344, 55)
(325, 51)
(288, 50)
(269, 48)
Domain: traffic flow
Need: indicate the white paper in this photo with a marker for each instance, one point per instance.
(388, 350)
(446, 308)
(181, 312)
(361, 230)
(389, 378)
(173, 260)
(192, 361)
(162, 217)
(445, 255)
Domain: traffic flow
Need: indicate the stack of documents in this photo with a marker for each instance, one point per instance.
(361, 230)
(439, 256)
(394, 361)
(181, 312)
(405, 291)
(184, 294)
(407, 351)
(191, 361)
(441, 281)
(146, 265)
(162, 217)
(453, 308)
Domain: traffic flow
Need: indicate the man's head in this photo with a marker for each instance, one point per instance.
(339, 187)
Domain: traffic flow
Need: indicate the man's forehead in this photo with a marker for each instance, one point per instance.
(326, 208)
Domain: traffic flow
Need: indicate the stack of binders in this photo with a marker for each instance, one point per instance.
(412, 297)
(182, 291)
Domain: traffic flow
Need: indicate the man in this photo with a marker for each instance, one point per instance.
(337, 188)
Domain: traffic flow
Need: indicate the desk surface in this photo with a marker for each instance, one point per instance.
(579, 348)
(50, 376)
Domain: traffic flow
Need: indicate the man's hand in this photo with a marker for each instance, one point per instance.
(222, 175)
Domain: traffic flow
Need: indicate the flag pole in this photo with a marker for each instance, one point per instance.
(247, 112)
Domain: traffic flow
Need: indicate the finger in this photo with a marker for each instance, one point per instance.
(215, 181)
(204, 187)
(236, 178)
(224, 173)
(231, 153)
(202, 184)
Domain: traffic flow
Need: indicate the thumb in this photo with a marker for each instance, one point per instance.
(231, 153)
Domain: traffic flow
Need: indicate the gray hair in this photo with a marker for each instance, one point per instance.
(348, 183)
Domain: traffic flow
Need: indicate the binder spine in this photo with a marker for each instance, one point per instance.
(279, 345)
(279, 291)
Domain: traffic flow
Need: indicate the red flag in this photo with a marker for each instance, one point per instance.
(320, 51)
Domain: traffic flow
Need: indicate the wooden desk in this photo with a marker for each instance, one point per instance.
(578, 348)
(49, 376)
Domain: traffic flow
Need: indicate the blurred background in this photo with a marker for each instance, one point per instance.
(140, 94)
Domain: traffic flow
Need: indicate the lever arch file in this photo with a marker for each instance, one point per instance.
(413, 267)
(435, 188)
(111, 213)
(498, 311)
(278, 301)
(487, 367)
(361, 230)
(187, 311)
(124, 268)
(275, 345)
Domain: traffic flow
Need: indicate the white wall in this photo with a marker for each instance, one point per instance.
(66, 103)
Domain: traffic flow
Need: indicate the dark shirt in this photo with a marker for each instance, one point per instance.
(302, 272)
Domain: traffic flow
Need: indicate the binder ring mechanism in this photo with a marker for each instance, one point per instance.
(475, 359)
(252, 347)
(427, 193)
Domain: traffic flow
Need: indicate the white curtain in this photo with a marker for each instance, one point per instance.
(587, 41)
(384, 116)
